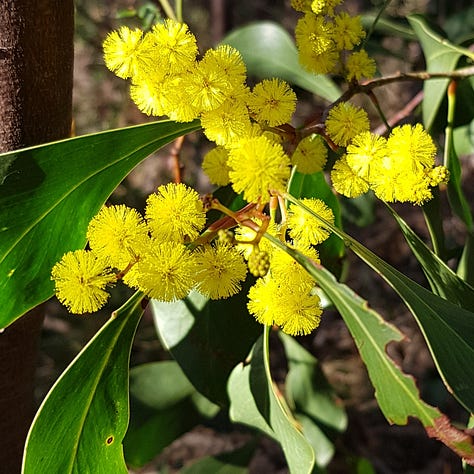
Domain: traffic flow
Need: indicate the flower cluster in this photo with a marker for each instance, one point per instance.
(400, 168)
(166, 254)
(173, 248)
(169, 79)
(326, 40)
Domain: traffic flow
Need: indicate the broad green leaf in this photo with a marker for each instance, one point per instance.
(233, 462)
(441, 56)
(82, 421)
(387, 26)
(444, 325)
(315, 186)
(161, 410)
(307, 388)
(465, 268)
(395, 391)
(49, 193)
(463, 138)
(442, 279)
(269, 51)
(198, 331)
(255, 402)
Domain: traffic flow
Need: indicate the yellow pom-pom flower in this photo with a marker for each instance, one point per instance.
(347, 31)
(345, 181)
(80, 280)
(263, 300)
(176, 46)
(411, 148)
(324, 7)
(359, 65)
(118, 233)
(323, 62)
(175, 213)
(301, 5)
(300, 310)
(216, 167)
(285, 268)
(273, 102)
(310, 155)
(257, 167)
(345, 121)
(313, 33)
(228, 60)
(220, 271)
(306, 229)
(166, 272)
(176, 102)
(365, 152)
(127, 52)
(147, 93)
(227, 124)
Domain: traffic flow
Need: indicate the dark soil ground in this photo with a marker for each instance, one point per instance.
(101, 102)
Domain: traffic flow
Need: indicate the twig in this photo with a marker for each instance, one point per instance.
(174, 155)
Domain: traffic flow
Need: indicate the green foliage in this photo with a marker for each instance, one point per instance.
(82, 422)
(221, 359)
(255, 401)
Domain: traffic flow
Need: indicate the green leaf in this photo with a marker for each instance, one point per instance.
(48, 195)
(463, 138)
(307, 388)
(269, 51)
(254, 402)
(441, 56)
(161, 410)
(197, 333)
(388, 26)
(444, 325)
(82, 421)
(443, 281)
(395, 391)
(234, 462)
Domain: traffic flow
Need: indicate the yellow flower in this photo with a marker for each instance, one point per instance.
(208, 86)
(176, 102)
(310, 155)
(324, 7)
(359, 65)
(216, 167)
(300, 311)
(273, 102)
(345, 121)
(364, 152)
(127, 53)
(306, 229)
(227, 124)
(347, 31)
(411, 147)
(257, 167)
(292, 307)
(220, 271)
(345, 181)
(313, 33)
(175, 213)
(147, 93)
(285, 268)
(438, 175)
(166, 272)
(80, 279)
(228, 60)
(319, 62)
(176, 46)
(263, 300)
(118, 233)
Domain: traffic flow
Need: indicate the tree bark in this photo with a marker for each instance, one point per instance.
(36, 65)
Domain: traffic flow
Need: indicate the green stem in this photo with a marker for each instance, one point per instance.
(448, 141)
(169, 12)
(179, 10)
(432, 215)
(377, 18)
(376, 104)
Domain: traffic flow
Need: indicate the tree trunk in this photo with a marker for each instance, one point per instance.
(36, 64)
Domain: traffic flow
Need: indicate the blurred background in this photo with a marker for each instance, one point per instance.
(101, 102)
